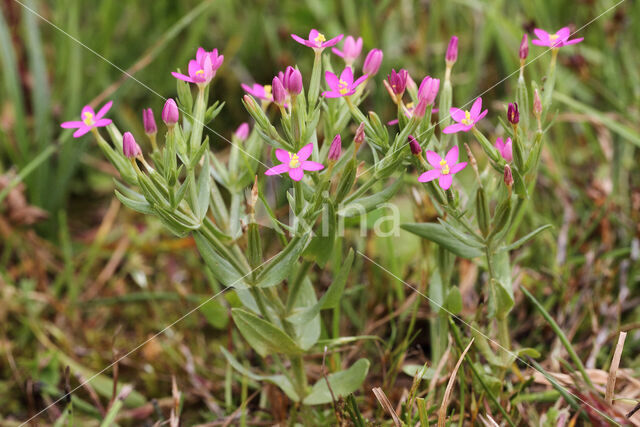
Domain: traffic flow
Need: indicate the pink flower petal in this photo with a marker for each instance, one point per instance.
(347, 76)
(313, 34)
(429, 175)
(445, 181)
(102, 122)
(457, 114)
(81, 131)
(72, 125)
(457, 168)
(200, 54)
(296, 174)
(312, 166)
(338, 52)
(182, 77)
(305, 152)
(332, 80)
(87, 109)
(194, 67)
(475, 108)
(541, 34)
(282, 155)
(299, 39)
(334, 41)
(455, 128)
(540, 42)
(574, 41)
(563, 33)
(499, 144)
(434, 159)
(277, 170)
(480, 117)
(359, 81)
(452, 156)
(105, 108)
(332, 94)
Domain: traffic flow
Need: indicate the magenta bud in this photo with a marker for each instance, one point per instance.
(293, 81)
(537, 104)
(278, 91)
(130, 147)
(359, 138)
(372, 62)
(242, 132)
(421, 108)
(524, 48)
(428, 89)
(335, 149)
(513, 115)
(452, 51)
(170, 114)
(149, 122)
(508, 176)
(414, 145)
(398, 81)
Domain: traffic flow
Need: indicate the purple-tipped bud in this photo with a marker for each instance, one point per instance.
(429, 89)
(372, 62)
(149, 122)
(278, 91)
(170, 114)
(420, 109)
(524, 48)
(537, 104)
(414, 145)
(242, 132)
(513, 115)
(359, 138)
(130, 147)
(452, 51)
(292, 81)
(508, 176)
(335, 149)
(398, 81)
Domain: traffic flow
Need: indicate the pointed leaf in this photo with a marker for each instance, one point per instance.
(263, 336)
(342, 383)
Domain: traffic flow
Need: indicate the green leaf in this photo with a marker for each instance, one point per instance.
(453, 303)
(215, 313)
(203, 188)
(280, 266)
(263, 336)
(342, 383)
(220, 267)
(321, 246)
(368, 203)
(413, 369)
(438, 234)
(278, 380)
(525, 239)
(308, 332)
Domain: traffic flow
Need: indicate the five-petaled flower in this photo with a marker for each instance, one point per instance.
(559, 39)
(444, 169)
(259, 91)
(90, 120)
(203, 68)
(342, 86)
(350, 51)
(317, 40)
(295, 163)
(466, 119)
(505, 148)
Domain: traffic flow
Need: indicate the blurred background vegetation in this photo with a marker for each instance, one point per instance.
(65, 238)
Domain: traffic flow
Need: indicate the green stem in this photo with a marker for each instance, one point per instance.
(314, 85)
(198, 122)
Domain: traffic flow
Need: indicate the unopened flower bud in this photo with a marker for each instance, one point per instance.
(242, 132)
(508, 176)
(170, 114)
(420, 109)
(130, 147)
(359, 138)
(537, 104)
(335, 149)
(149, 122)
(452, 51)
(414, 145)
(293, 81)
(513, 115)
(429, 89)
(398, 81)
(279, 93)
(372, 62)
(524, 48)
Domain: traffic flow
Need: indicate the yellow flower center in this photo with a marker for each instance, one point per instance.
(200, 73)
(410, 105)
(343, 87)
(553, 37)
(444, 169)
(88, 119)
(294, 162)
(267, 90)
(467, 119)
(320, 38)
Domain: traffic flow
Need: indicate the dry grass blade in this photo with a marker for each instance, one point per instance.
(613, 370)
(384, 402)
(442, 412)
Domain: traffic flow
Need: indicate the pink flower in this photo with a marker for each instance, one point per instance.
(444, 169)
(259, 91)
(295, 164)
(429, 89)
(559, 39)
(372, 62)
(317, 40)
(505, 148)
(242, 132)
(343, 86)
(90, 120)
(350, 51)
(203, 68)
(466, 119)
